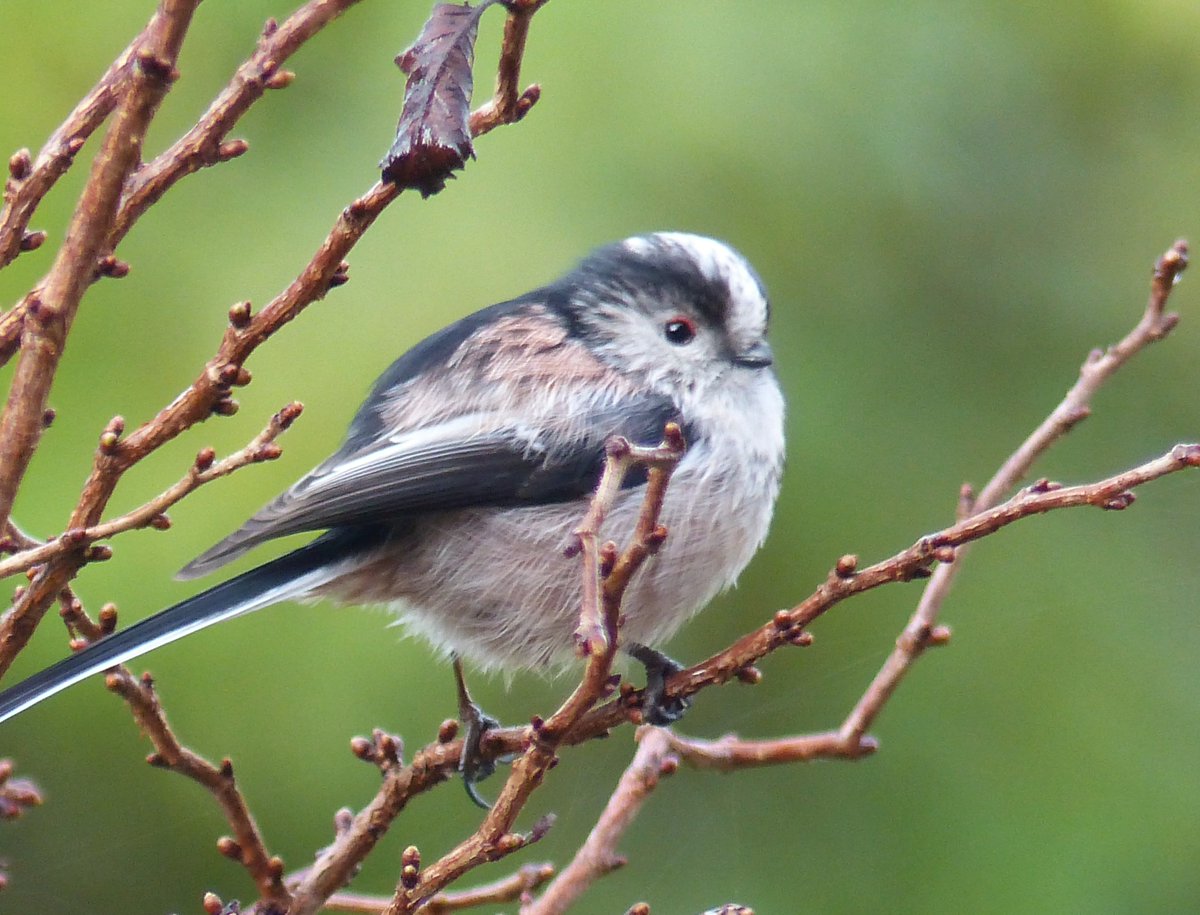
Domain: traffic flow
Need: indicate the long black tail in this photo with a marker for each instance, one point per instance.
(292, 575)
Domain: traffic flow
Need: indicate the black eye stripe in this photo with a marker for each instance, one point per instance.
(679, 331)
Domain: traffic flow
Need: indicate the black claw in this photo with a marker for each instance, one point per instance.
(657, 708)
(472, 764)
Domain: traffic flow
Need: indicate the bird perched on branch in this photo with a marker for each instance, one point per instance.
(469, 465)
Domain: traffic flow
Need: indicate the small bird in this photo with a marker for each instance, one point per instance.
(471, 461)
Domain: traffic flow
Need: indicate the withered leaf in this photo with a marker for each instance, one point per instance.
(433, 137)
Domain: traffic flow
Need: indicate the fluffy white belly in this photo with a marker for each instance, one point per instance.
(494, 586)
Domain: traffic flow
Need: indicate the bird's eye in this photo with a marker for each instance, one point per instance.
(680, 331)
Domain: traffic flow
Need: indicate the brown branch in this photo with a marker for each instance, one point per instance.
(210, 392)
(844, 581)
(246, 846)
(336, 864)
(507, 889)
(620, 457)
(151, 514)
(598, 855)
(61, 557)
(30, 181)
(57, 297)
(494, 838)
(787, 627)
(1156, 322)
(729, 753)
(508, 104)
(204, 144)
(438, 761)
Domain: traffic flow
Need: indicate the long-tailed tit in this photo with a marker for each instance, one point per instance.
(470, 463)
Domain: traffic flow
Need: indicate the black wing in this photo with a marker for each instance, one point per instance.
(464, 461)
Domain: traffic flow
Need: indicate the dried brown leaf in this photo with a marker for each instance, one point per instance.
(433, 138)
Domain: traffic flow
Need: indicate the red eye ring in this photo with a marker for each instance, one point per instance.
(680, 330)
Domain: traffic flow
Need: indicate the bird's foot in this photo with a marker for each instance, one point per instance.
(473, 765)
(657, 708)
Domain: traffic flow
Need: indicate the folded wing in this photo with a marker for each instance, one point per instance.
(466, 461)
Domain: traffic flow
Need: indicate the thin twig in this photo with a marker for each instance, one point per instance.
(730, 752)
(437, 762)
(1156, 322)
(507, 889)
(620, 455)
(246, 846)
(494, 839)
(210, 392)
(598, 855)
(57, 297)
(508, 104)
(787, 627)
(30, 181)
(204, 144)
(203, 470)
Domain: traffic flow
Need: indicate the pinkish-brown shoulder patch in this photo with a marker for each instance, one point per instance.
(495, 370)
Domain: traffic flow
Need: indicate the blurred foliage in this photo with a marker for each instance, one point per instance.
(950, 203)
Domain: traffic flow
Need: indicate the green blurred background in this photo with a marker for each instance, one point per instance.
(950, 203)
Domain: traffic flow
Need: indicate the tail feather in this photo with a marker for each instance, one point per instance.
(292, 575)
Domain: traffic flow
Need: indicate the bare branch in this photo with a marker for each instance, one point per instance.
(150, 514)
(494, 838)
(620, 457)
(730, 753)
(30, 181)
(506, 889)
(1097, 368)
(57, 297)
(204, 144)
(509, 104)
(598, 854)
(210, 392)
(246, 846)
(787, 628)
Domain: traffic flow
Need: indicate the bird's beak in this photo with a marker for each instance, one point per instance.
(758, 356)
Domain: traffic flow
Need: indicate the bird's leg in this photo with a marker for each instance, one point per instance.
(657, 709)
(476, 722)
